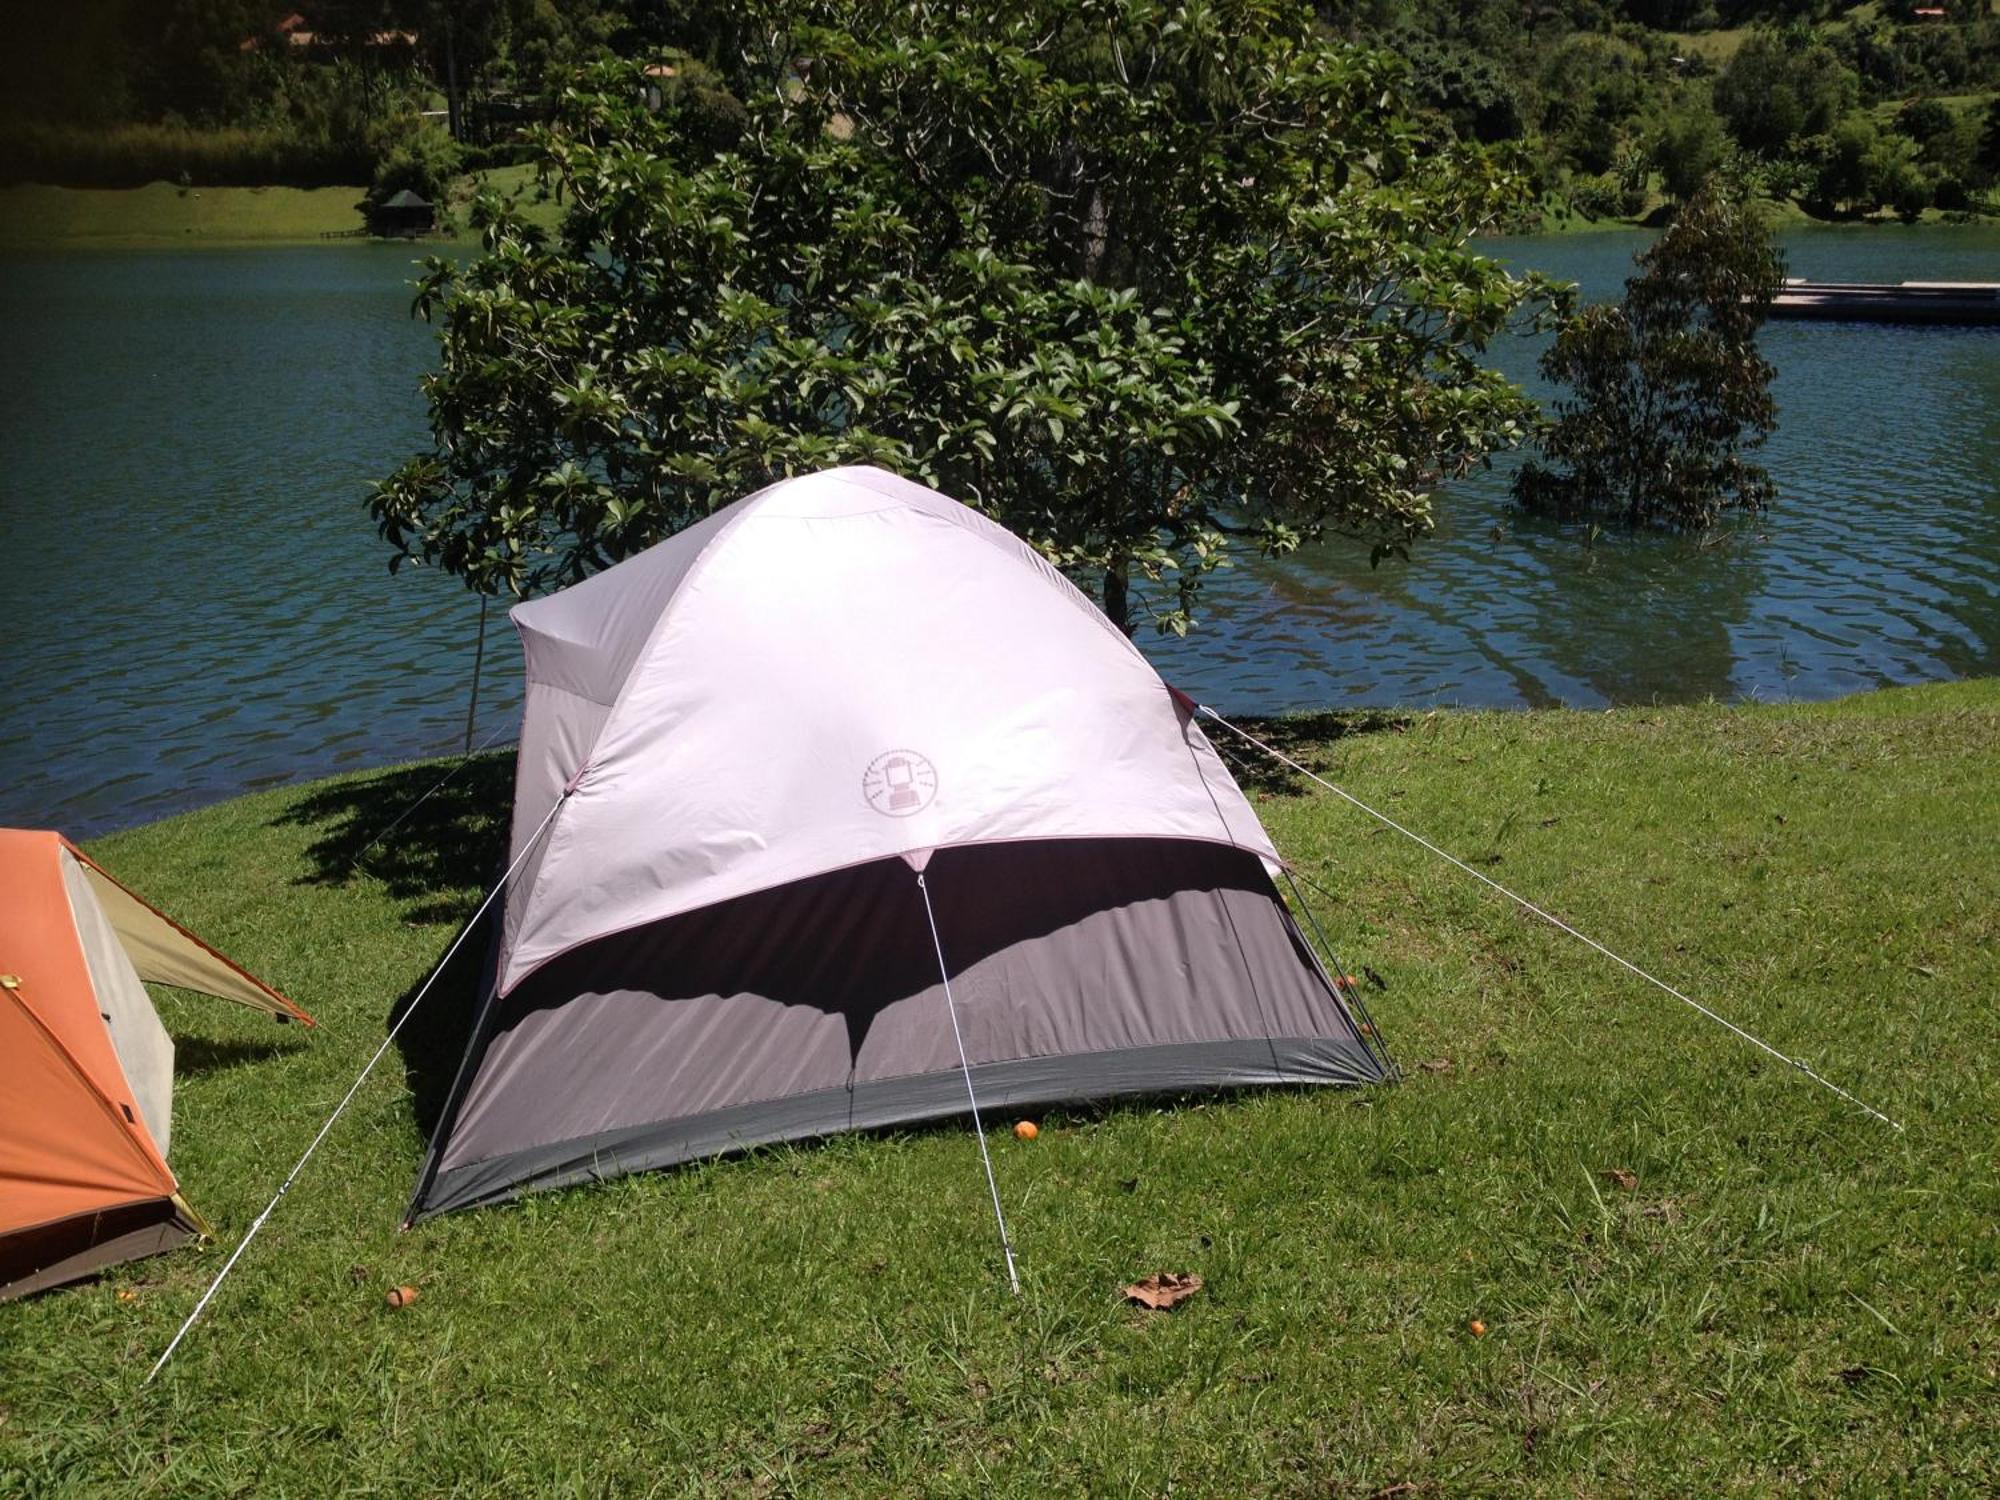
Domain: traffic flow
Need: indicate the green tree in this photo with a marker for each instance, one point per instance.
(1924, 120)
(1689, 150)
(1894, 178)
(1668, 386)
(1777, 87)
(1988, 158)
(414, 155)
(1147, 285)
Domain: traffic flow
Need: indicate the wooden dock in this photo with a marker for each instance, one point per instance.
(1965, 303)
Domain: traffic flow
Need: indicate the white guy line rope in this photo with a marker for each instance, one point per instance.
(1554, 921)
(339, 1109)
(993, 1187)
(463, 761)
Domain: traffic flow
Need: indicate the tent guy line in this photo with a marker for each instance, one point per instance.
(1344, 985)
(360, 1078)
(1554, 921)
(463, 761)
(978, 1130)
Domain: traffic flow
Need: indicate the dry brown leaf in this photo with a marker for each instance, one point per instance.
(1619, 1178)
(1436, 1065)
(1163, 1290)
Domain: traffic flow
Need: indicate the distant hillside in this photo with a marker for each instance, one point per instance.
(1845, 110)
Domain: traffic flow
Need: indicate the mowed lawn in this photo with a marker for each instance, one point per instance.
(1789, 1293)
(162, 216)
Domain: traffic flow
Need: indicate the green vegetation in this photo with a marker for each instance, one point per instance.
(1151, 289)
(1806, 99)
(116, 93)
(1789, 1296)
(1832, 106)
(161, 216)
(1667, 387)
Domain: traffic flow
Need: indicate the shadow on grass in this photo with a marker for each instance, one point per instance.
(1302, 737)
(434, 1040)
(435, 836)
(426, 842)
(196, 1055)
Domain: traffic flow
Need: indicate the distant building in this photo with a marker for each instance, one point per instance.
(293, 32)
(657, 75)
(405, 214)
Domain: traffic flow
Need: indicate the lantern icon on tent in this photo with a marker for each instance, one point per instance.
(898, 783)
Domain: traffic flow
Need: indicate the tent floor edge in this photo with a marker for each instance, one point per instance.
(1162, 1070)
(80, 1246)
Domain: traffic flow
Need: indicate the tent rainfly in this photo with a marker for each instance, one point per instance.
(825, 788)
(86, 1068)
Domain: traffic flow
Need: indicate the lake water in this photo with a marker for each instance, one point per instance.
(197, 604)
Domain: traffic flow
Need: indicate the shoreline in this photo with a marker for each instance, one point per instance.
(1324, 720)
(37, 218)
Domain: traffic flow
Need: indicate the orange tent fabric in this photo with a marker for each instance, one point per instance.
(82, 1181)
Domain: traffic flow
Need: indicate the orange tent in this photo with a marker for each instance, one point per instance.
(86, 1069)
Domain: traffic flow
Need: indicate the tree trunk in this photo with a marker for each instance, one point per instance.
(453, 121)
(1096, 236)
(1117, 596)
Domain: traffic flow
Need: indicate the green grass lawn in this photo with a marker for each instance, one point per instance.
(1791, 1295)
(162, 216)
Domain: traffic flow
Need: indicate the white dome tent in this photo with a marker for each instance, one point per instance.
(820, 792)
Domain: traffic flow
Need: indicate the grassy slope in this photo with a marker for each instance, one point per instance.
(162, 216)
(1792, 1294)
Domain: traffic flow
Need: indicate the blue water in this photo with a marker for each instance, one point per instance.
(197, 604)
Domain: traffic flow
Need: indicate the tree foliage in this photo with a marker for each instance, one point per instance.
(1668, 387)
(1146, 284)
(1689, 151)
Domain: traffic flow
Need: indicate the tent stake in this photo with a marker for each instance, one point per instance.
(978, 1130)
(353, 1089)
(1554, 921)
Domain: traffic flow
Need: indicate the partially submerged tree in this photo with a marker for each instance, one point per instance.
(1144, 284)
(1669, 388)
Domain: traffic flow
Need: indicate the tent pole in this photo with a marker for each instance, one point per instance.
(1554, 921)
(978, 1130)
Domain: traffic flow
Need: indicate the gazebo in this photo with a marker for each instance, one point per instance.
(404, 214)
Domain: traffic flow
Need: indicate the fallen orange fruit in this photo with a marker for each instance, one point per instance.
(1478, 1328)
(1027, 1130)
(402, 1296)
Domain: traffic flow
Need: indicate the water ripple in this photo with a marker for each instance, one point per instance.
(188, 436)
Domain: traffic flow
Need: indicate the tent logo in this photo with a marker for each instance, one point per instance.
(898, 783)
